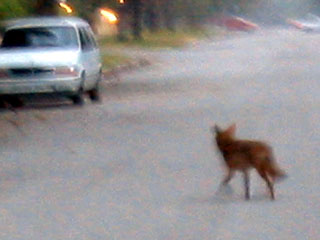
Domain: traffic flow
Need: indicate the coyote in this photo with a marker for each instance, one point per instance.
(242, 155)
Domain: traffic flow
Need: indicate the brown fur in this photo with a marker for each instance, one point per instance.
(242, 155)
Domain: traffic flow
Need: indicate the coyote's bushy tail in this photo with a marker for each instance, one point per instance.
(275, 172)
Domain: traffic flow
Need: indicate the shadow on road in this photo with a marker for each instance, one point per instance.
(45, 101)
(223, 195)
(226, 195)
(10, 109)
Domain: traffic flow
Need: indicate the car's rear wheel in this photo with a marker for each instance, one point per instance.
(77, 99)
(15, 101)
(94, 94)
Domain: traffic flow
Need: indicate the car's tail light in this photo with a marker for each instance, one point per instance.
(296, 24)
(3, 73)
(66, 71)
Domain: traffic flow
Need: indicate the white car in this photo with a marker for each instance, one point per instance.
(311, 23)
(50, 55)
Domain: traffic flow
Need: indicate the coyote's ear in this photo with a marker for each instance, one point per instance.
(231, 130)
(215, 129)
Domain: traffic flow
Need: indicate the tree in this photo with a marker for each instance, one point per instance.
(46, 7)
(14, 8)
(122, 24)
(131, 11)
(170, 12)
(151, 15)
(136, 11)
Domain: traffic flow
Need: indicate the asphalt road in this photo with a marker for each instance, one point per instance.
(142, 165)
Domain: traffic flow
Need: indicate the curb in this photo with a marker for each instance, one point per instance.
(113, 74)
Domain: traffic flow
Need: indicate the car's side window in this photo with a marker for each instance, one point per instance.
(85, 40)
(91, 37)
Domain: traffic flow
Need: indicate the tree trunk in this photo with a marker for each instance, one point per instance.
(46, 8)
(136, 8)
(169, 18)
(122, 24)
(151, 16)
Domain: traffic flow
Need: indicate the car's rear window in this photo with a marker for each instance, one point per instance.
(30, 37)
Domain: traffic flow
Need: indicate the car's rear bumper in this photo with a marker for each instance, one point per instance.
(27, 86)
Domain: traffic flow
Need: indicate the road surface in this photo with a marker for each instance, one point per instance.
(142, 165)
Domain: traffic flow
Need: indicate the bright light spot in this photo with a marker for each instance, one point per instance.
(121, 1)
(66, 7)
(109, 15)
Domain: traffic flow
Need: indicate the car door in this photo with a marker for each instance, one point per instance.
(96, 53)
(90, 58)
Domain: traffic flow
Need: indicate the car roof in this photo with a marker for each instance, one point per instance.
(45, 22)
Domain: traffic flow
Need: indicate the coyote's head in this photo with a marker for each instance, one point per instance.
(223, 136)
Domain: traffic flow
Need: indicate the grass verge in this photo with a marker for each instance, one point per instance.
(111, 61)
(158, 40)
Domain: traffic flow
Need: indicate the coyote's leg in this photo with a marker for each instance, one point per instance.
(246, 184)
(227, 179)
(265, 177)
